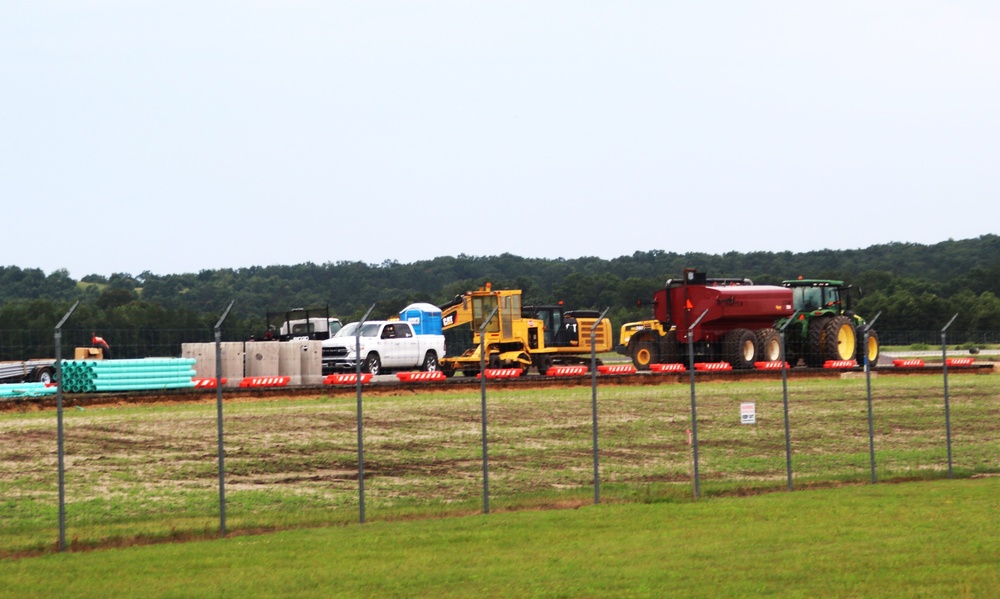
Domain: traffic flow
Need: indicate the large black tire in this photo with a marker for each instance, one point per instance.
(874, 348)
(543, 363)
(739, 348)
(769, 342)
(839, 339)
(644, 352)
(668, 349)
(814, 349)
(430, 362)
(372, 364)
(494, 361)
(43, 374)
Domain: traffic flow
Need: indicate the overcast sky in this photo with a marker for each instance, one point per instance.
(181, 136)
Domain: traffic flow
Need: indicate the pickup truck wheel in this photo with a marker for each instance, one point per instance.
(430, 362)
(372, 364)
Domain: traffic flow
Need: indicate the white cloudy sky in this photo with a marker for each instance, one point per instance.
(180, 136)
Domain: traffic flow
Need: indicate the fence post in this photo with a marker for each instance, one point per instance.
(593, 385)
(482, 387)
(868, 377)
(947, 404)
(218, 411)
(784, 393)
(361, 436)
(694, 408)
(59, 429)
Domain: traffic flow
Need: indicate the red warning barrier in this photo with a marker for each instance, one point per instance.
(347, 379)
(616, 369)
(207, 383)
(265, 381)
(566, 371)
(423, 377)
(770, 365)
(502, 373)
(960, 361)
(840, 364)
(713, 366)
(914, 363)
(667, 367)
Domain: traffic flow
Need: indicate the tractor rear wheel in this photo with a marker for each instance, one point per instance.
(839, 341)
(739, 347)
(643, 354)
(769, 342)
(814, 349)
(874, 349)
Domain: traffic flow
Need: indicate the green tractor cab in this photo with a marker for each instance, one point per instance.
(825, 326)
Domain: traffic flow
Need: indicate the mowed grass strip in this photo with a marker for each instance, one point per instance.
(921, 539)
(149, 473)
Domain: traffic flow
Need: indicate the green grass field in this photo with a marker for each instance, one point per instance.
(918, 539)
(150, 472)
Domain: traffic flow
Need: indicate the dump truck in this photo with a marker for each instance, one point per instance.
(532, 336)
(741, 325)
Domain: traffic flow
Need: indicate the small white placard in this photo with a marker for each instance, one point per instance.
(748, 413)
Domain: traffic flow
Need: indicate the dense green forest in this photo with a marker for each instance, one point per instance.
(915, 287)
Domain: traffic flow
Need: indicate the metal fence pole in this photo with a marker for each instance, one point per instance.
(482, 387)
(694, 407)
(868, 378)
(361, 435)
(784, 393)
(593, 385)
(218, 412)
(59, 430)
(947, 403)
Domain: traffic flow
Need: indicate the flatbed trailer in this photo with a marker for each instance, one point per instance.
(30, 371)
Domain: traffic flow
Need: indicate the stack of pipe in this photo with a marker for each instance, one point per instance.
(85, 376)
(26, 390)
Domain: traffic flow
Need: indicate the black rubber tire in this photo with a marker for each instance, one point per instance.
(814, 350)
(494, 361)
(430, 363)
(644, 352)
(372, 364)
(769, 343)
(839, 339)
(668, 349)
(543, 363)
(44, 374)
(874, 347)
(739, 348)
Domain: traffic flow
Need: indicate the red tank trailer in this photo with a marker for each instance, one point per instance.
(739, 324)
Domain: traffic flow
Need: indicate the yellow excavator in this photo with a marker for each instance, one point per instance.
(519, 336)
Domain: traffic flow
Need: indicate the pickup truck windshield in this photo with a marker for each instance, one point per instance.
(347, 330)
(370, 330)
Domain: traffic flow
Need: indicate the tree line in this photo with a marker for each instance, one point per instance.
(916, 287)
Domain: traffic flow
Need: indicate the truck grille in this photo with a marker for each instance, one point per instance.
(334, 352)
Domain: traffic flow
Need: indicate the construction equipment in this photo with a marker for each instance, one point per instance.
(301, 324)
(519, 336)
(826, 327)
(741, 323)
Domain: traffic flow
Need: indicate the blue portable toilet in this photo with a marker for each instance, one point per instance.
(424, 318)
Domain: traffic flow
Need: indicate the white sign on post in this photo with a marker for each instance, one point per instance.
(748, 413)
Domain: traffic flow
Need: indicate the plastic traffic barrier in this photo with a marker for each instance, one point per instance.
(713, 366)
(616, 369)
(840, 364)
(207, 383)
(420, 377)
(566, 371)
(265, 381)
(960, 361)
(911, 363)
(675, 367)
(770, 365)
(347, 379)
(502, 373)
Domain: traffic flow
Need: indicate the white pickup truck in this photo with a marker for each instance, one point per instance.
(385, 345)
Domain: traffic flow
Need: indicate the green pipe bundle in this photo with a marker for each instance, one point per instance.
(86, 376)
(26, 390)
